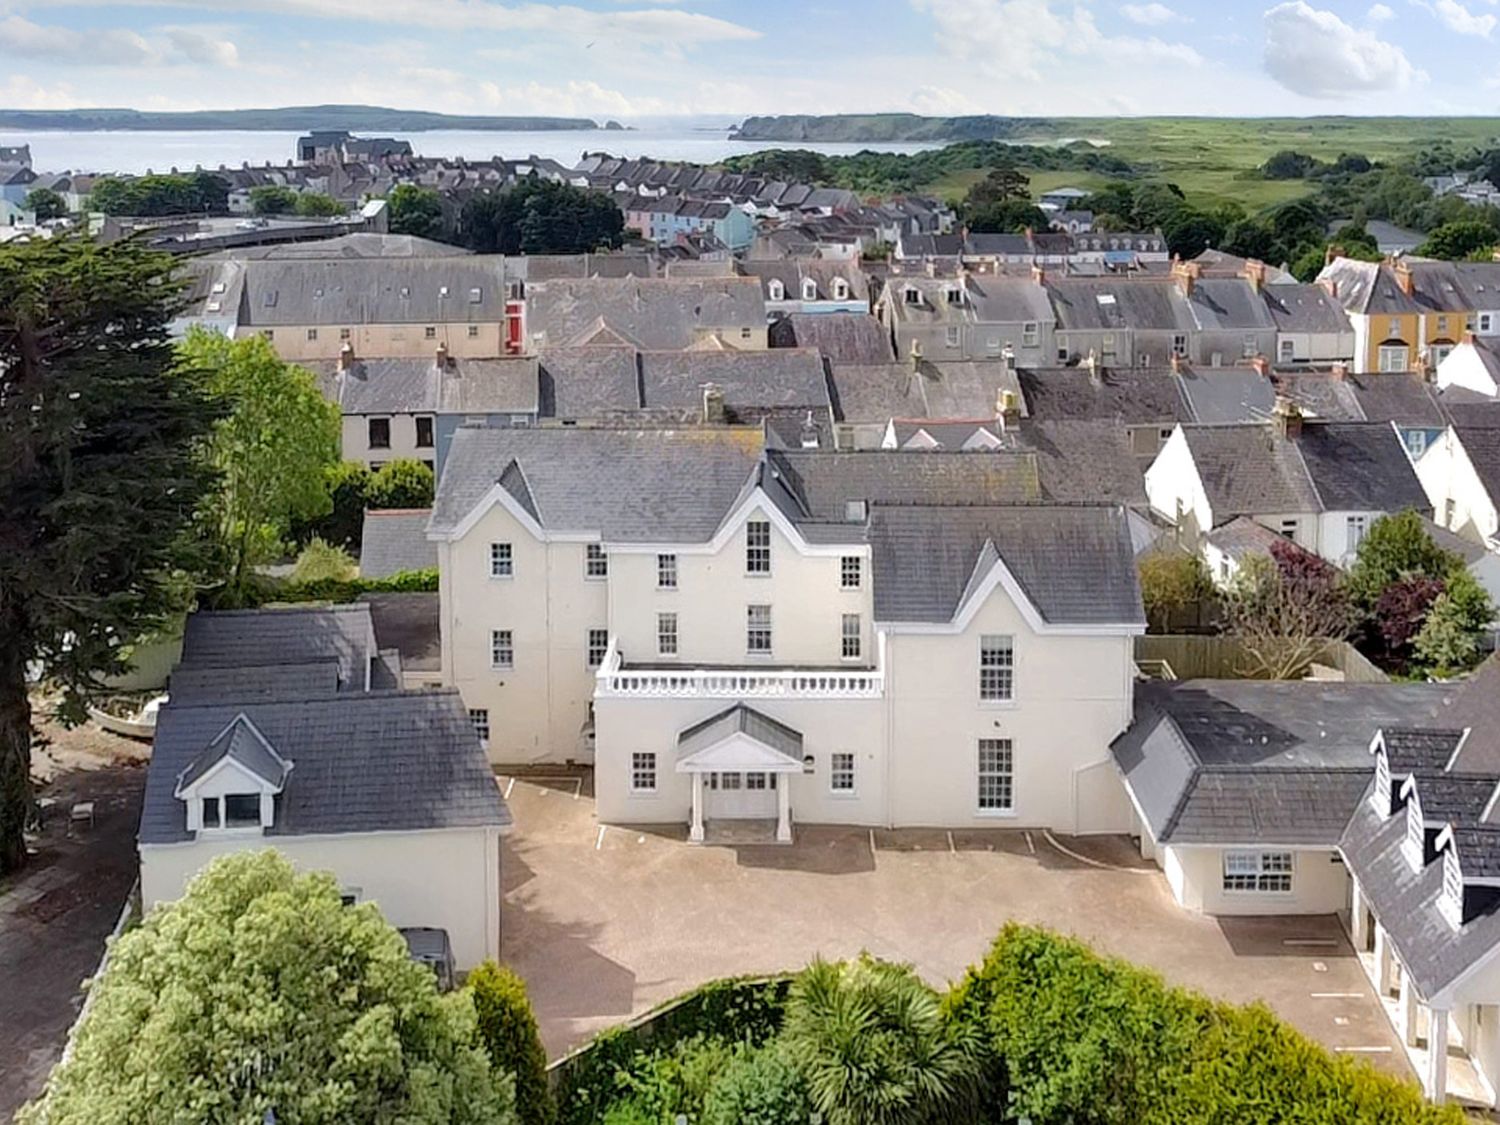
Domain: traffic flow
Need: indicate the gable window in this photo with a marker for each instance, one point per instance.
(809, 289)
(242, 810)
(666, 572)
(996, 775)
(758, 547)
(211, 812)
(851, 637)
(840, 289)
(501, 563)
(758, 630)
(850, 567)
(911, 295)
(1260, 872)
(1288, 351)
(424, 432)
(598, 645)
(1355, 530)
(841, 772)
(666, 634)
(1485, 320)
(380, 433)
(997, 669)
(775, 290)
(480, 718)
(1416, 442)
(643, 772)
(502, 649)
(595, 562)
(1030, 334)
(1289, 527)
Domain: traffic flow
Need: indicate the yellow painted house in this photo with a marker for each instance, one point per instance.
(1407, 314)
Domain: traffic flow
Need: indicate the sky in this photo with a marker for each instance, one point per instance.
(629, 59)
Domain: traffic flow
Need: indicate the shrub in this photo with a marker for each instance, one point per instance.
(673, 1082)
(763, 1087)
(873, 1042)
(348, 484)
(401, 483)
(508, 1030)
(320, 562)
(1083, 1038)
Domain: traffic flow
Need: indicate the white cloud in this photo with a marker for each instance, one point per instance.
(112, 47)
(1021, 38)
(20, 92)
(570, 99)
(1379, 13)
(201, 47)
(1148, 15)
(941, 101)
(1458, 18)
(1316, 54)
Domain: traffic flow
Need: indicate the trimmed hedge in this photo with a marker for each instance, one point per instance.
(588, 1081)
(507, 1026)
(1083, 1038)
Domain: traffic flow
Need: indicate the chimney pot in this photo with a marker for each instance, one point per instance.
(1287, 417)
(1341, 371)
(713, 404)
(1262, 365)
(346, 357)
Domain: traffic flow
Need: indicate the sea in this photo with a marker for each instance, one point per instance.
(139, 151)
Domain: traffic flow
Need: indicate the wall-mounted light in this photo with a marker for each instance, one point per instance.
(807, 763)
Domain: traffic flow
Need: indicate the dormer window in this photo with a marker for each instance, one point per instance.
(775, 290)
(1380, 796)
(233, 784)
(1452, 903)
(911, 295)
(840, 289)
(954, 294)
(809, 289)
(1415, 845)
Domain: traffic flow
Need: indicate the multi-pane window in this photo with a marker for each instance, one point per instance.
(643, 772)
(1356, 528)
(502, 649)
(380, 433)
(997, 669)
(758, 629)
(666, 572)
(1393, 357)
(312, 333)
(344, 333)
(211, 812)
(502, 565)
(841, 772)
(850, 572)
(1258, 871)
(424, 432)
(997, 785)
(758, 547)
(1029, 334)
(595, 562)
(598, 645)
(430, 332)
(473, 331)
(666, 634)
(480, 717)
(850, 637)
(760, 781)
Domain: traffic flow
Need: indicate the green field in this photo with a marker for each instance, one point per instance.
(1213, 159)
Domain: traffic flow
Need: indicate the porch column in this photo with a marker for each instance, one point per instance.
(1436, 1078)
(1359, 918)
(1408, 1006)
(784, 809)
(695, 830)
(1382, 961)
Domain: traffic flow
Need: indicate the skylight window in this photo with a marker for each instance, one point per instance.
(1105, 298)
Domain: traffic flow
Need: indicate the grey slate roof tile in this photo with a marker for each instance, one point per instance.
(741, 719)
(840, 337)
(651, 314)
(395, 540)
(299, 634)
(410, 624)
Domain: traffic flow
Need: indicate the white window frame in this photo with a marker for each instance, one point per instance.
(754, 628)
(952, 336)
(1030, 334)
(1355, 530)
(997, 669)
(841, 773)
(1380, 795)
(1485, 320)
(667, 640)
(502, 649)
(851, 637)
(643, 771)
(1000, 800)
(1415, 844)
(1259, 873)
(596, 647)
(595, 563)
(479, 718)
(851, 572)
(1394, 357)
(758, 548)
(502, 561)
(1453, 888)
(666, 572)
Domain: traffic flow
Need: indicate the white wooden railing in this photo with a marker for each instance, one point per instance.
(737, 683)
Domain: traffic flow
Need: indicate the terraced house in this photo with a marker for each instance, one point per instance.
(1406, 313)
(731, 633)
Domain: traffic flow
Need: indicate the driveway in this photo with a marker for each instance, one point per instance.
(56, 913)
(604, 923)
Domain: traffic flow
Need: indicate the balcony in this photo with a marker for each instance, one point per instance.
(659, 681)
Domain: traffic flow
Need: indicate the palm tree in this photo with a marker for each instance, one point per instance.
(875, 1047)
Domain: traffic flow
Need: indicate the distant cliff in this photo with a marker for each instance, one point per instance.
(352, 118)
(884, 127)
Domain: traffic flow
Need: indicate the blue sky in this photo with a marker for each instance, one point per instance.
(634, 58)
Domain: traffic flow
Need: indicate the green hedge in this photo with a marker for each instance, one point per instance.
(337, 590)
(734, 1010)
(1082, 1038)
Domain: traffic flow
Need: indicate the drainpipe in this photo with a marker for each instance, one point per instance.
(888, 682)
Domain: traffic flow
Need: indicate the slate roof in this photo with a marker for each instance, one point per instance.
(1242, 537)
(1367, 288)
(753, 382)
(741, 719)
(262, 638)
(1227, 304)
(1226, 394)
(588, 382)
(410, 624)
(1083, 462)
(395, 540)
(362, 762)
(1255, 761)
(647, 313)
(1129, 395)
(1090, 304)
(953, 390)
(1402, 397)
(1075, 564)
(839, 337)
(241, 743)
(1304, 308)
(295, 679)
(1481, 445)
(352, 291)
(1360, 466)
(421, 386)
(1419, 749)
(1320, 394)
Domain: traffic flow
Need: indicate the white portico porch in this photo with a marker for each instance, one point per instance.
(741, 762)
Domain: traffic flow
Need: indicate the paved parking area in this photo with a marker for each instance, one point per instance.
(606, 922)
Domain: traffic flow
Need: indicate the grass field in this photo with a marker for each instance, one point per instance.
(1211, 159)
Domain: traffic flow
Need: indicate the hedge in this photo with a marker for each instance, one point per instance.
(744, 1009)
(1083, 1038)
(340, 590)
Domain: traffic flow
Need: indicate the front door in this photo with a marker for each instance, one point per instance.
(739, 796)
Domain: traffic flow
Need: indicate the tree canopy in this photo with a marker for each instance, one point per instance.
(100, 477)
(536, 216)
(260, 992)
(198, 193)
(272, 199)
(45, 203)
(417, 211)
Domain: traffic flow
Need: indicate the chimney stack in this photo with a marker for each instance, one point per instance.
(1255, 274)
(442, 355)
(1330, 286)
(1091, 365)
(1007, 409)
(1341, 371)
(1262, 366)
(916, 355)
(809, 432)
(1288, 418)
(1038, 274)
(1186, 275)
(346, 357)
(713, 404)
(1403, 276)
(1332, 254)
(1008, 356)
(1176, 362)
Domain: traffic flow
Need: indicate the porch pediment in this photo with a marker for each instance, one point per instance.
(739, 740)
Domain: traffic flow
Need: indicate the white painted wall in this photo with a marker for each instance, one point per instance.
(355, 429)
(1174, 488)
(1447, 475)
(449, 878)
(1464, 368)
(1320, 883)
